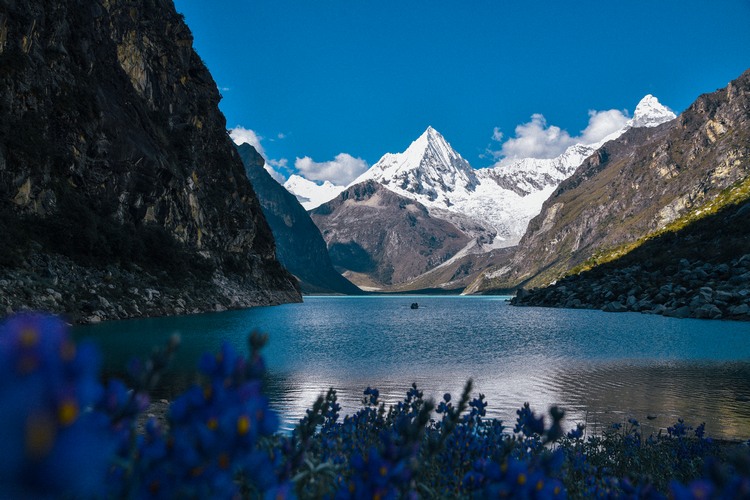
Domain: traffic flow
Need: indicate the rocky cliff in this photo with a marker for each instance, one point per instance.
(121, 194)
(634, 186)
(299, 245)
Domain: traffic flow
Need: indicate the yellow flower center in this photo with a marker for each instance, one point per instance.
(68, 351)
(29, 337)
(243, 425)
(67, 412)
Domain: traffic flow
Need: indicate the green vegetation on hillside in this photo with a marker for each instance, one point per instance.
(733, 195)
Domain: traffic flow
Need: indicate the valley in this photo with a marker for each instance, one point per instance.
(279, 279)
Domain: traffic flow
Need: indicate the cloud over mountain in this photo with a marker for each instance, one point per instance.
(538, 139)
(343, 169)
(241, 135)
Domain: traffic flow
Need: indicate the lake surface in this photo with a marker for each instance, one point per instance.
(601, 367)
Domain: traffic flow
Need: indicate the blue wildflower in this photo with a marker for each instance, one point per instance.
(371, 396)
(576, 433)
(679, 429)
(48, 386)
(527, 423)
(700, 431)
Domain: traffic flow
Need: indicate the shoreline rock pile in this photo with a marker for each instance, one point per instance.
(85, 294)
(689, 289)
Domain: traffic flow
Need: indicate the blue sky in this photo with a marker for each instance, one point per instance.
(332, 85)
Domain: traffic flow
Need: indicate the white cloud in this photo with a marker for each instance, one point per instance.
(274, 173)
(282, 163)
(277, 168)
(496, 134)
(601, 124)
(340, 171)
(241, 135)
(281, 135)
(537, 139)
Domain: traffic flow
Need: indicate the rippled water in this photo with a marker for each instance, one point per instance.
(600, 367)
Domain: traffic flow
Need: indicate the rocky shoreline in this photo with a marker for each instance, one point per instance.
(84, 294)
(689, 289)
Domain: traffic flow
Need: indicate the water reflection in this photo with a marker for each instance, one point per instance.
(597, 395)
(601, 368)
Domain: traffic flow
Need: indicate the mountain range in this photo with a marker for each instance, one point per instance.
(490, 208)
(309, 194)
(122, 195)
(634, 187)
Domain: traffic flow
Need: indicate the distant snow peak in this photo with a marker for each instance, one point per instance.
(650, 112)
(310, 194)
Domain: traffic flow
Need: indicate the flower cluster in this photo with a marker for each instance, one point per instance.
(48, 386)
(219, 439)
(212, 437)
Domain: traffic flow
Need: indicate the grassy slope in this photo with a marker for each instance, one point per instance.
(736, 195)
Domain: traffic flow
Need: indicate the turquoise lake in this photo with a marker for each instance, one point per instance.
(601, 367)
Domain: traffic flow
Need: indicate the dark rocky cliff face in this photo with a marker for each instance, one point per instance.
(636, 185)
(115, 164)
(383, 240)
(299, 245)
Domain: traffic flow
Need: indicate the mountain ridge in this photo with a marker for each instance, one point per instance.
(695, 267)
(299, 246)
(491, 207)
(635, 185)
(309, 194)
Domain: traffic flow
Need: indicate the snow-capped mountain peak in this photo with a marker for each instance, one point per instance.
(310, 194)
(499, 200)
(650, 112)
(430, 171)
(432, 150)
